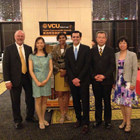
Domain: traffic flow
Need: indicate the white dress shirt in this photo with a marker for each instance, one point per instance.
(101, 48)
(22, 49)
(62, 50)
(76, 47)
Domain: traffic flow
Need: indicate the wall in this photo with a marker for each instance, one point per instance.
(34, 11)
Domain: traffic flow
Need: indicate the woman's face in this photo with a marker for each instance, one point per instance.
(123, 45)
(62, 40)
(40, 44)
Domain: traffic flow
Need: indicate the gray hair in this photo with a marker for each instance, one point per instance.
(19, 31)
(101, 32)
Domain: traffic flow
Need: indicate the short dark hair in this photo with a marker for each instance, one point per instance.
(77, 32)
(101, 32)
(60, 35)
(44, 49)
(121, 39)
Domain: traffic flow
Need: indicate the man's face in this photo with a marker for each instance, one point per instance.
(101, 39)
(76, 38)
(19, 37)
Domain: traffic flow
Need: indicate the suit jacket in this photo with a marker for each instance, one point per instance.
(130, 67)
(104, 65)
(12, 64)
(78, 68)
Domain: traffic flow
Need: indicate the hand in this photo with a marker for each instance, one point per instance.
(75, 81)
(39, 84)
(8, 85)
(113, 86)
(101, 77)
(132, 87)
(97, 78)
(77, 85)
(62, 72)
(44, 83)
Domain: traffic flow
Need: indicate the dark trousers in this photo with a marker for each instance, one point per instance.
(102, 91)
(81, 93)
(15, 93)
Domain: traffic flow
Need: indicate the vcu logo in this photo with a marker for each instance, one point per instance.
(50, 26)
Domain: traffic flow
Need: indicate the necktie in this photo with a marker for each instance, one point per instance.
(100, 52)
(75, 53)
(24, 69)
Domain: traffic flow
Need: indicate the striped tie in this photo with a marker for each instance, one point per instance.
(100, 52)
(23, 63)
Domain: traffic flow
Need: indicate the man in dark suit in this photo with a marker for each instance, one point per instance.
(16, 76)
(77, 60)
(103, 66)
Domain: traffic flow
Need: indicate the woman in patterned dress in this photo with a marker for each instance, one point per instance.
(60, 76)
(126, 73)
(41, 67)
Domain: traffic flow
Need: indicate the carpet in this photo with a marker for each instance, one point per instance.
(116, 112)
(2, 87)
(2, 84)
(66, 131)
(116, 115)
(1, 77)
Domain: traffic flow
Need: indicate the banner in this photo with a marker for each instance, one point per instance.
(54, 28)
(49, 31)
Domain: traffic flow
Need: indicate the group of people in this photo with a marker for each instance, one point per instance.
(74, 68)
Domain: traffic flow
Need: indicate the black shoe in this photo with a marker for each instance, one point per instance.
(85, 129)
(96, 124)
(33, 119)
(107, 125)
(18, 125)
(77, 124)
